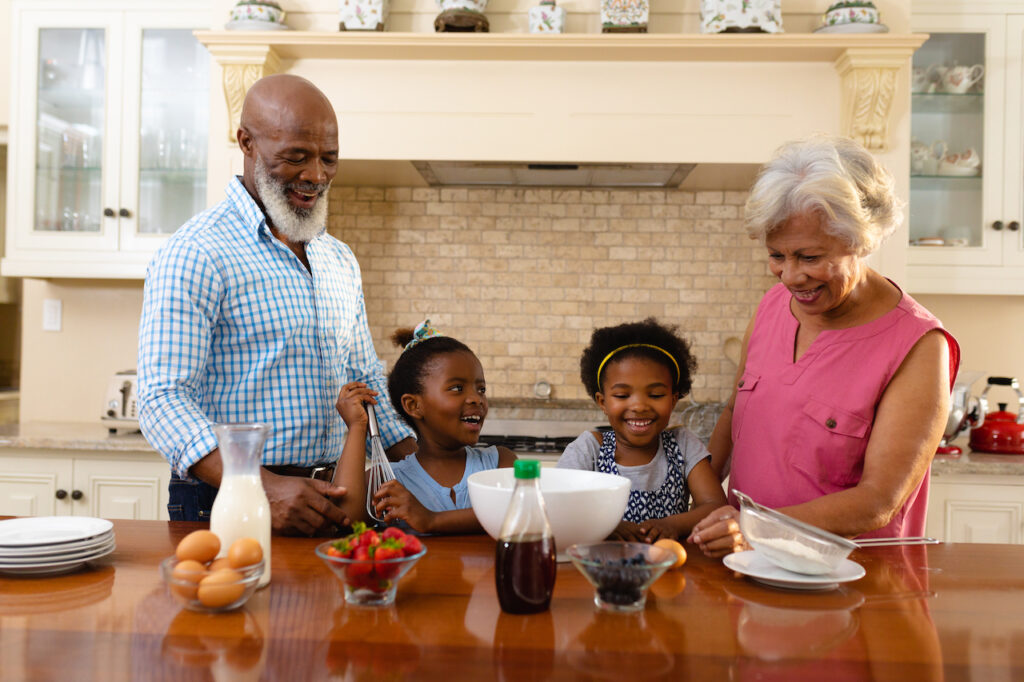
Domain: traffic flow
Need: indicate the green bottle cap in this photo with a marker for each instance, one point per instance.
(526, 468)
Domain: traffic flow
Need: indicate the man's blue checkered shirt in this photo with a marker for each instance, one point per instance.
(235, 329)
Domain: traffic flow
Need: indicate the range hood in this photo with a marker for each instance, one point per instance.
(546, 174)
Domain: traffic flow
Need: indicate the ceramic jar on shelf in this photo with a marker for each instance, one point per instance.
(362, 15)
(461, 15)
(547, 17)
(741, 16)
(624, 16)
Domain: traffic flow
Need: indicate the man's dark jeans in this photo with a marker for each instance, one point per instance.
(189, 500)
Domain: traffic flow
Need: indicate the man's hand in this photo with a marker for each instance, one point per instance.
(393, 501)
(302, 506)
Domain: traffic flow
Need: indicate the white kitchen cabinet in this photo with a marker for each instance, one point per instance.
(978, 218)
(976, 508)
(108, 137)
(110, 485)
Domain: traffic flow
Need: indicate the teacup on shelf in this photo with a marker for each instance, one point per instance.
(924, 158)
(966, 163)
(959, 79)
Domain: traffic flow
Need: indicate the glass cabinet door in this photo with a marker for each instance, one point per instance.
(70, 120)
(955, 159)
(173, 130)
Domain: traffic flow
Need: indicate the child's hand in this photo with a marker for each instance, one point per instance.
(656, 529)
(350, 403)
(393, 501)
(628, 532)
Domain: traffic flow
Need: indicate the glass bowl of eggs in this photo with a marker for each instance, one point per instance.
(200, 581)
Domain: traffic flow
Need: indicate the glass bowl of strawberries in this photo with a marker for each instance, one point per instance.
(370, 564)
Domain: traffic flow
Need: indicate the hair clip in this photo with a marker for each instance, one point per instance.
(422, 332)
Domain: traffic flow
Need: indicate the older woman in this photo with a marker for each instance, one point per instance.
(843, 387)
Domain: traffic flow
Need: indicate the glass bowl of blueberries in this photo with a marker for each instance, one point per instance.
(621, 572)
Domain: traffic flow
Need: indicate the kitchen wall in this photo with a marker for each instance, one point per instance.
(523, 276)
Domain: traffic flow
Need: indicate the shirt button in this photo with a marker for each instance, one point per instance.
(830, 423)
(741, 383)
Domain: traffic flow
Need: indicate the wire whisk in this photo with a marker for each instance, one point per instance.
(380, 471)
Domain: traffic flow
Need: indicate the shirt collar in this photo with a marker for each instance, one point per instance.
(246, 206)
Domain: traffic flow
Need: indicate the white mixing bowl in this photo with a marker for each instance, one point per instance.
(583, 506)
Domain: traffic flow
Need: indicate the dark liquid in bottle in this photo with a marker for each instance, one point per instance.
(524, 573)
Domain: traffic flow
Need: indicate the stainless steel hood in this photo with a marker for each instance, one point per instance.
(609, 175)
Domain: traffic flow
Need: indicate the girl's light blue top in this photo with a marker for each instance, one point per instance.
(432, 494)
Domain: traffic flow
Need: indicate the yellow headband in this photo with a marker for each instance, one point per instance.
(636, 345)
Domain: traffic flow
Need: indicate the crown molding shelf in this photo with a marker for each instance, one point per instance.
(868, 64)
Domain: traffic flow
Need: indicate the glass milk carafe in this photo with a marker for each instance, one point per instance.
(241, 509)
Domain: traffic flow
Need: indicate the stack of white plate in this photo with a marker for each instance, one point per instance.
(48, 545)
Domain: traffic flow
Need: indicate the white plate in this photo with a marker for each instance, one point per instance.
(50, 530)
(753, 565)
(254, 25)
(80, 554)
(55, 549)
(854, 27)
(55, 567)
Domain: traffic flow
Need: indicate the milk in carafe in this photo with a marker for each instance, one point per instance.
(241, 508)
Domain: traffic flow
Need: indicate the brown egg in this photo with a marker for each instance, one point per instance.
(199, 545)
(187, 571)
(245, 552)
(218, 564)
(220, 588)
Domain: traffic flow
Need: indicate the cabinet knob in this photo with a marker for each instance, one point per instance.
(77, 495)
(997, 225)
(1013, 227)
(125, 213)
(109, 212)
(61, 494)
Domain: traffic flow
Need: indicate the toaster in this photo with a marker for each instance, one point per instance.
(119, 411)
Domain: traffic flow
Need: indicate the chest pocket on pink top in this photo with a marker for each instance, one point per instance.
(744, 392)
(829, 443)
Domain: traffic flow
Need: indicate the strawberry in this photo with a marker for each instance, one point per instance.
(389, 549)
(368, 538)
(359, 573)
(392, 532)
(412, 545)
(340, 548)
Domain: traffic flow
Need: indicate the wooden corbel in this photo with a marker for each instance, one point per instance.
(242, 65)
(868, 81)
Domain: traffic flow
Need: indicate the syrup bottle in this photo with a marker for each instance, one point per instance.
(524, 563)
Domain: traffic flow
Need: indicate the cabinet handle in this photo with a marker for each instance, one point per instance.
(61, 494)
(125, 213)
(997, 225)
(77, 495)
(1013, 227)
(109, 212)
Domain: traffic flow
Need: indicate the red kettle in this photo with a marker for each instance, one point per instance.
(1001, 432)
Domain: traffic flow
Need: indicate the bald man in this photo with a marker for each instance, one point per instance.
(253, 313)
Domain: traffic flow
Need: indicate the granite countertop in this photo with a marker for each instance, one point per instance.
(70, 436)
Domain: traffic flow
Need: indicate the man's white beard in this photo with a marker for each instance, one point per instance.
(294, 224)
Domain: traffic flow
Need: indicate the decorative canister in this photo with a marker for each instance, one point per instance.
(547, 18)
(624, 16)
(461, 15)
(362, 15)
(741, 16)
(256, 15)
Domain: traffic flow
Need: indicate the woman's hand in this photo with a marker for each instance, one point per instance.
(393, 501)
(718, 533)
(628, 532)
(351, 400)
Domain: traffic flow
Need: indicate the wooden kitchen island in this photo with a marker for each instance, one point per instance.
(945, 612)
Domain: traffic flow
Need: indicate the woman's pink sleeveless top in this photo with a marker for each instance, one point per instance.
(800, 429)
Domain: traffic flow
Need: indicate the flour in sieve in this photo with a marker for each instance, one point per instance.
(793, 555)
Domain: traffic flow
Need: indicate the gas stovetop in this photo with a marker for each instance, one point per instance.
(544, 444)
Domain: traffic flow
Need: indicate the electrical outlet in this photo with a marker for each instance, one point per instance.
(52, 313)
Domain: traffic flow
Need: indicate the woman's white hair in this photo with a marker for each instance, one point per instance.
(834, 177)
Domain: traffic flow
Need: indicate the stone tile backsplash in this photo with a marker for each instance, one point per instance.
(524, 275)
